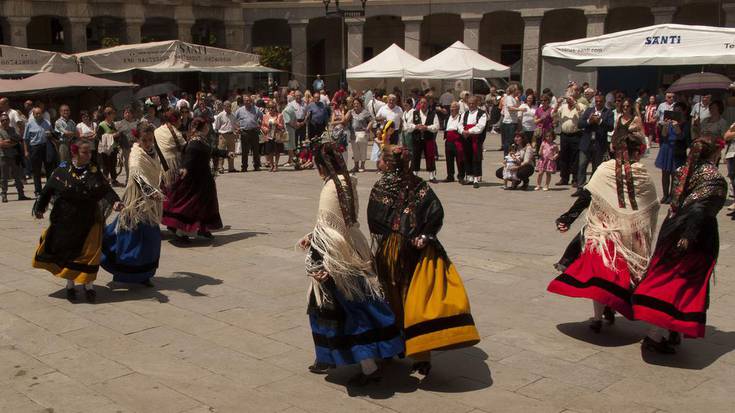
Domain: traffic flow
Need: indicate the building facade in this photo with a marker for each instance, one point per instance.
(505, 31)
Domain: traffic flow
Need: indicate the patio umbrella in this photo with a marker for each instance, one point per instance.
(700, 83)
(156, 90)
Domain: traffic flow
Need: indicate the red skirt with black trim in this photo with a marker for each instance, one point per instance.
(674, 294)
(588, 277)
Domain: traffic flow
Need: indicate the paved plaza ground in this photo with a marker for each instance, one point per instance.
(225, 328)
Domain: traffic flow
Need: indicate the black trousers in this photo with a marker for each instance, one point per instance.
(109, 165)
(450, 149)
(569, 156)
(250, 142)
(473, 159)
(300, 133)
(316, 130)
(423, 147)
(41, 157)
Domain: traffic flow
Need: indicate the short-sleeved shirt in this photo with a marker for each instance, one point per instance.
(299, 109)
(509, 102)
(35, 133)
(65, 125)
(319, 113)
(360, 121)
(391, 114)
(248, 119)
(12, 135)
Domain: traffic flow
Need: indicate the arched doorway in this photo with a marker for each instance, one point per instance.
(562, 25)
(326, 50)
(501, 37)
(628, 18)
(47, 33)
(271, 32)
(439, 31)
(705, 14)
(380, 32)
(156, 29)
(208, 32)
(105, 31)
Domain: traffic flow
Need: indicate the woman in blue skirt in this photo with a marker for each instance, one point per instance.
(132, 242)
(350, 320)
(675, 139)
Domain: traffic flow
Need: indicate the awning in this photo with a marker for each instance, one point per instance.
(660, 45)
(22, 61)
(54, 83)
(169, 56)
(392, 62)
(458, 62)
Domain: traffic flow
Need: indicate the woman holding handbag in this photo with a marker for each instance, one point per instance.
(273, 130)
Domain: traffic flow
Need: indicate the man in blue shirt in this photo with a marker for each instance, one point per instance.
(249, 117)
(318, 84)
(318, 115)
(38, 147)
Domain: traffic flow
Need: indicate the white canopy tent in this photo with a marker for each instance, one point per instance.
(458, 62)
(386, 70)
(172, 56)
(659, 45)
(21, 61)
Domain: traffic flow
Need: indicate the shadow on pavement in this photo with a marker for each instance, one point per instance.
(446, 376)
(114, 292)
(218, 240)
(622, 333)
(695, 354)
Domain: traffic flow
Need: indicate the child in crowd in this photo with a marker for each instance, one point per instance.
(511, 163)
(546, 165)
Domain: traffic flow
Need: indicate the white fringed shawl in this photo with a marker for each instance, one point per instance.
(631, 232)
(171, 153)
(345, 251)
(141, 206)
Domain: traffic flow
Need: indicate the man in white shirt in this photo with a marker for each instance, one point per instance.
(298, 122)
(15, 118)
(665, 106)
(391, 112)
(473, 134)
(453, 148)
(423, 124)
(568, 112)
(511, 103)
(700, 110)
(227, 128)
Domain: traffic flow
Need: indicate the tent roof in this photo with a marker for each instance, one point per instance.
(58, 82)
(458, 62)
(169, 56)
(392, 62)
(23, 61)
(660, 45)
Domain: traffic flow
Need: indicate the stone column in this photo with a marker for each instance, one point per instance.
(235, 35)
(184, 30)
(663, 15)
(531, 52)
(729, 18)
(247, 33)
(298, 50)
(18, 30)
(595, 23)
(133, 30)
(77, 39)
(355, 28)
(472, 30)
(412, 34)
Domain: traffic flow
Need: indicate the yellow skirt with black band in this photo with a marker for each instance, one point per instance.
(83, 269)
(436, 308)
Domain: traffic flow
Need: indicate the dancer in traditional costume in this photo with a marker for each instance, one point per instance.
(674, 295)
(71, 246)
(610, 256)
(350, 321)
(170, 144)
(132, 242)
(191, 206)
(421, 284)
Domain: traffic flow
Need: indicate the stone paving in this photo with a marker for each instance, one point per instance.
(225, 329)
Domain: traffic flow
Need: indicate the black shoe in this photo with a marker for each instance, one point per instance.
(256, 169)
(433, 181)
(674, 338)
(183, 239)
(205, 234)
(361, 379)
(5, 199)
(90, 295)
(71, 294)
(244, 169)
(525, 185)
(449, 180)
(609, 315)
(319, 368)
(596, 326)
(476, 185)
(148, 283)
(660, 347)
(422, 367)
(577, 193)
(22, 197)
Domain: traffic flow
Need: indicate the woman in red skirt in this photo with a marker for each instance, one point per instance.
(674, 295)
(611, 254)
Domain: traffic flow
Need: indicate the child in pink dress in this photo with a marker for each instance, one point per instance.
(548, 155)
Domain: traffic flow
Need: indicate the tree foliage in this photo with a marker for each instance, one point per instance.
(277, 57)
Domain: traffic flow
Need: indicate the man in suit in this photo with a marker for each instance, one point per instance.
(595, 123)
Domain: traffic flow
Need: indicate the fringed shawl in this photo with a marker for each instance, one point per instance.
(630, 230)
(140, 200)
(344, 250)
(171, 149)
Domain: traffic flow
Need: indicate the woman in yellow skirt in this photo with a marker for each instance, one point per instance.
(421, 284)
(71, 246)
